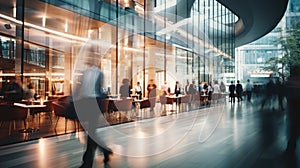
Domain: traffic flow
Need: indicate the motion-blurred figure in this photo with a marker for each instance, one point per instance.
(249, 88)
(231, 94)
(89, 96)
(293, 92)
(12, 90)
(269, 92)
(239, 91)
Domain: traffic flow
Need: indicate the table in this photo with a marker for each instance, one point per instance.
(30, 106)
(113, 96)
(142, 104)
(175, 99)
(135, 96)
(138, 102)
(121, 105)
(204, 98)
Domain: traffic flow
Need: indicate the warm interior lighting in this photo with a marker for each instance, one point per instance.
(126, 42)
(126, 3)
(66, 26)
(44, 29)
(32, 74)
(90, 33)
(8, 74)
(42, 152)
(44, 21)
(139, 9)
(14, 12)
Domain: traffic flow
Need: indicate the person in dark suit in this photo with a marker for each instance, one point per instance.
(269, 92)
(232, 90)
(177, 89)
(239, 91)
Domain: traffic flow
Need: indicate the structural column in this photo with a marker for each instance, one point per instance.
(19, 60)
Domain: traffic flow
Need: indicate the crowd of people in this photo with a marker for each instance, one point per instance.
(92, 89)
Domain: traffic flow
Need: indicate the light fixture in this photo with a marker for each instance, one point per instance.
(44, 21)
(14, 12)
(66, 26)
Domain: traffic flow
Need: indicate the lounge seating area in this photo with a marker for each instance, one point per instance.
(36, 119)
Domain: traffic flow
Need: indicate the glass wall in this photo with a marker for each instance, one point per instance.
(136, 40)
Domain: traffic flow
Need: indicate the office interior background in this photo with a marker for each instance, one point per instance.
(43, 42)
(150, 40)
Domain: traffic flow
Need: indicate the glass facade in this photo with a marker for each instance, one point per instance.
(43, 41)
(253, 56)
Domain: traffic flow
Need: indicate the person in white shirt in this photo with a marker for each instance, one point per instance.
(165, 88)
(216, 90)
(216, 87)
(30, 93)
(138, 90)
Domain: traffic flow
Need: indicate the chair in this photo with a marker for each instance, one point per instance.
(164, 101)
(187, 99)
(103, 105)
(148, 103)
(196, 100)
(10, 113)
(46, 110)
(123, 105)
(60, 110)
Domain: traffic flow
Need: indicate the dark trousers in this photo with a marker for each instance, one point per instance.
(88, 157)
(88, 111)
(140, 95)
(240, 96)
(249, 94)
(232, 97)
(293, 118)
(89, 154)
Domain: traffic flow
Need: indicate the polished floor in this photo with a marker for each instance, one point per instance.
(228, 135)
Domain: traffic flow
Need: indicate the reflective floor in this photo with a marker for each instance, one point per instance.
(240, 134)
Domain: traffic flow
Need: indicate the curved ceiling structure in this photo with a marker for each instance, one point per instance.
(256, 18)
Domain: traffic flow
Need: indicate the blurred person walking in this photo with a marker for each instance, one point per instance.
(249, 88)
(151, 88)
(231, 92)
(125, 88)
(280, 89)
(222, 87)
(269, 92)
(292, 91)
(239, 91)
(12, 90)
(88, 98)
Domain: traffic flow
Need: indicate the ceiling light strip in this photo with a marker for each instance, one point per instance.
(44, 29)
